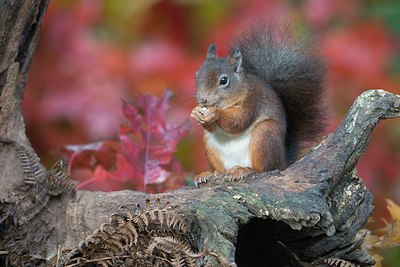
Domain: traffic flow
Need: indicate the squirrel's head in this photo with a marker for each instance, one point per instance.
(218, 80)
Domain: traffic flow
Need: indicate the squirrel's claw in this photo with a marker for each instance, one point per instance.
(205, 177)
(234, 174)
(202, 178)
(217, 174)
(197, 114)
(204, 115)
(238, 173)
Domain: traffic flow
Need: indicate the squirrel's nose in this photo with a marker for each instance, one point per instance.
(202, 101)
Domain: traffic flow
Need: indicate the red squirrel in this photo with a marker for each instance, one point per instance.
(261, 103)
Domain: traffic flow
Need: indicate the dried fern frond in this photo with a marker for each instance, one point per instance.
(57, 179)
(156, 235)
(141, 219)
(335, 262)
(127, 230)
(164, 216)
(41, 182)
(178, 262)
(172, 245)
(30, 163)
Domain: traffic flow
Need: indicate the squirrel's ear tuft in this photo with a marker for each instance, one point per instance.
(211, 51)
(236, 60)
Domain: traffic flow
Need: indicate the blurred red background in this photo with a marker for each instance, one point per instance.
(93, 54)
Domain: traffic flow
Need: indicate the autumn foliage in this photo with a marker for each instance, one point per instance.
(141, 157)
(384, 243)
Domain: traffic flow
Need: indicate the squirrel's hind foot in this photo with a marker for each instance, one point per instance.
(237, 173)
(234, 174)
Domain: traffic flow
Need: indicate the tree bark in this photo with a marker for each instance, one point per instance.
(310, 213)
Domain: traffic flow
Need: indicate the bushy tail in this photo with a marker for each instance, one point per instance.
(292, 70)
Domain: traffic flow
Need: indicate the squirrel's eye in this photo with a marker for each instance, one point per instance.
(223, 80)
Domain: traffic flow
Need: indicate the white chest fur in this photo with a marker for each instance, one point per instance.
(232, 148)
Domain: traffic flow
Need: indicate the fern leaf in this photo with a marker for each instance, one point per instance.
(130, 230)
(128, 212)
(58, 180)
(339, 262)
(30, 163)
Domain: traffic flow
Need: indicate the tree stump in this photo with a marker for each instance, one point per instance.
(309, 214)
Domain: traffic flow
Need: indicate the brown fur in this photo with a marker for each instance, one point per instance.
(267, 143)
(288, 64)
(271, 86)
(210, 127)
(235, 119)
(267, 146)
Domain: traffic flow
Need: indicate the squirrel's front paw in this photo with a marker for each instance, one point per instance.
(204, 115)
(197, 113)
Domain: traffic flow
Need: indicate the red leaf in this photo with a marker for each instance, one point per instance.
(124, 171)
(149, 139)
(102, 181)
(90, 155)
(131, 113)
(144, 154)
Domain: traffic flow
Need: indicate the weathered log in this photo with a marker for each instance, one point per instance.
(311, 211)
